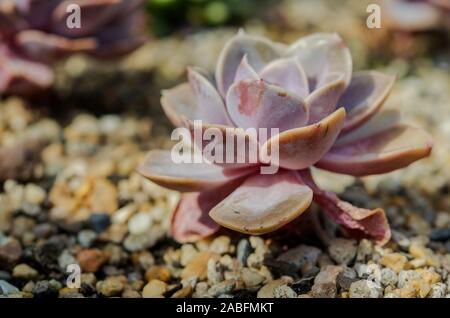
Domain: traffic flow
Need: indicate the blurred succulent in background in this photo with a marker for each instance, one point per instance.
(325, 115)
(34, 34)
(417, 15)
(168, 15)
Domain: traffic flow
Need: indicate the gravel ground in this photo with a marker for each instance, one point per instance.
(70, 196)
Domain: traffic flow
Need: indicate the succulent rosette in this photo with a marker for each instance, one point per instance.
(417, 15)
(326, 118)
(35, 33)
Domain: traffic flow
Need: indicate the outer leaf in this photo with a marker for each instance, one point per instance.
(322, 54)
(188, 177)
(286, 73)
(263, 203)
(388, 150)
(302, 147)
(359, 222)
(365, 96)
(259, 51)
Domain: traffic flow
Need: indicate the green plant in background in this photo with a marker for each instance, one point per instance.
(169, 15)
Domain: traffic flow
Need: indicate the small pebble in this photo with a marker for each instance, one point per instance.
(111, 286)
(221, 288)
(154, 289)
(157, 272)
(25, 272)
(243, 250)
(388, 277)
(284, 291)
(198, 266)
(325, 282)
(10, 252)
(252, 277)
(302, 256)
(268, 290)
(99, 222)
(91, 260)
(394, 261)
(438, 290)
(220, 245)
(46, 289)
(183, 292)
(7, 289)
(346, 278)
(442, 234)
(342, 251)
(215, 271)
(364, 289)
(86, 238)
(140, 223)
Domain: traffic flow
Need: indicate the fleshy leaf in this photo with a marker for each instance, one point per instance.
(259, 51)
(179, 103)
(190, 221)
(22, 76)
(46, 47)
(257, 104)
(323, 101)
(365, 96)
(393, 148)
(235, 145)
(263, 203)
(38, 12)
(359, 222)
(302, 147)
(160, 168)
(379, 122)
(322, 54)
(288, 74)
(245, 71)
(210, 106)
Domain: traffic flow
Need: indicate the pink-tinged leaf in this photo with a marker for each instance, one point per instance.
(263, 203)
(359, 222)
(259, 51)
(122, 35)
(365, 96)
(10, 19)
(18, 75)
(179, 103)
(161, 168)
(95, 14)
(47, 47)
(302, 147)
(385, 151)
(257, 104)
(288, 74)
(323, 101)
(190, 220)
(37, 12)
(233, 147)
(245, 71)
(379, 122)
(210, 106)
(322, 54)
(411, 15)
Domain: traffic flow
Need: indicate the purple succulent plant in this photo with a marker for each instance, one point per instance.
(417, 15)
(326, 116)
(34, 34)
